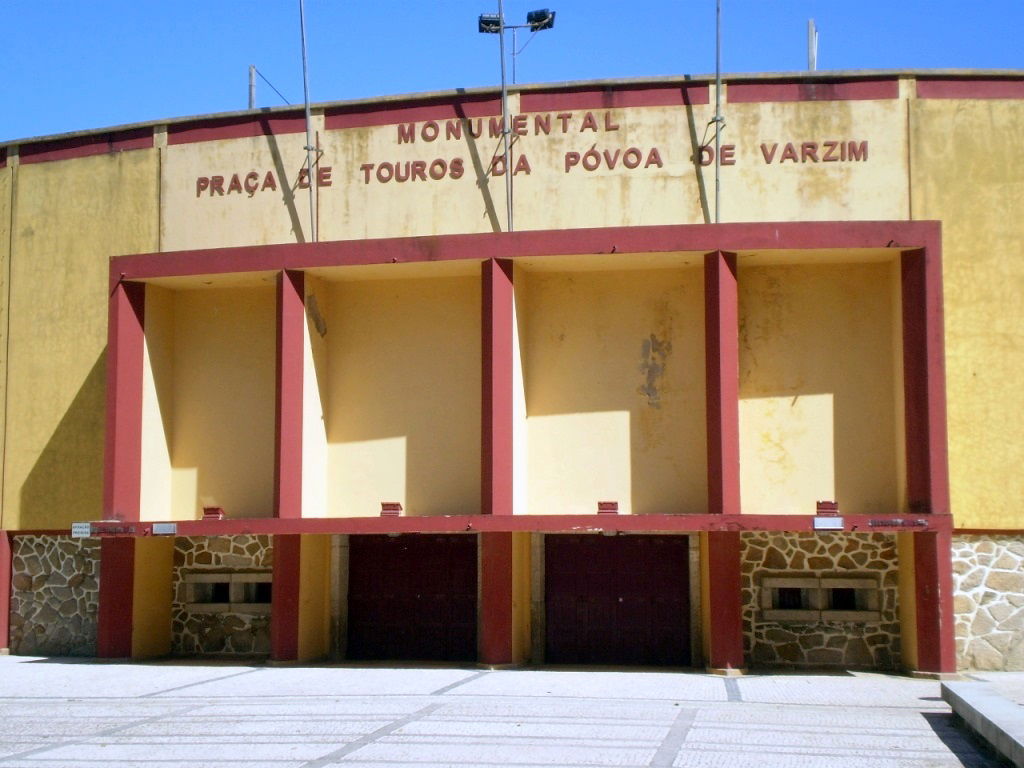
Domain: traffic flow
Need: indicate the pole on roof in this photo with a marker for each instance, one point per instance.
(310, 149)
(252, 86)
(718, 104)
(506, 128)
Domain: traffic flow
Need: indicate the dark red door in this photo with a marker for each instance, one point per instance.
(617, 599)
(412, 597)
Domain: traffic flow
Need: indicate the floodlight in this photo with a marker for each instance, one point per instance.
(489, 23)
(538, 20)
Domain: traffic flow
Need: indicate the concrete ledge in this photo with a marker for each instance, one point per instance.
(993, 717)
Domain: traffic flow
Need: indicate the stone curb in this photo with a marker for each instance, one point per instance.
(993, 717)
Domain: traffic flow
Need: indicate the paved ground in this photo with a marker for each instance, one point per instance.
(72, 713)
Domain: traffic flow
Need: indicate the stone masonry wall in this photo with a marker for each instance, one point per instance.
(54, 596)
(988, 599)
(233, 633)
(872, 644)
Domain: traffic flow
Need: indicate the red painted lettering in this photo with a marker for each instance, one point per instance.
(202, 184)
(522, 165)
(542, 124)
(571, 159)
(216, 185)
(453, 129)
(608, 124)
(591, 159)
(564, 118)
(706, 155)
(475, 130)
(430, 131)
(519, 125)
(385, 172)
(456, 168)
(407, 133)
(303, 178)
(498, 166)
(402, 172)
(728, 154)
(438, 169)
(631, 157)
(809, 149)
(323, 176)
(269, 182)
(496, 127)
(252, 183)
(654, 158)
(788, 153)
(419, 170)
(589, 123)
(768, 156)
(830, 152)
(858, 152)
(612, 160)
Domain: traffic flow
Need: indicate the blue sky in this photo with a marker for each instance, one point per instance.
(70, 65)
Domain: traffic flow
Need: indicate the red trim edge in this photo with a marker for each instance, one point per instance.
(291, 337)
(370, 115)
(122, 469)
(739, 92)
(117, 585)
(615, 97)
(284, 608)
(928, 88)
(6, 562)
(249, 126)
(85, 146)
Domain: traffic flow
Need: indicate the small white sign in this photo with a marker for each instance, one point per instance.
(828, 523)
(81, 530)
(165, 529)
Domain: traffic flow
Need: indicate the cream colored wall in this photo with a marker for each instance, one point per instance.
(875, 189)
(353, 209)
(208, 220)
(158, 383)
(6, 200)
(551, 197)
(314, 631)
(968, 171)
(614, 377)
(404, 408)
(152, 589)
(224, 377)
(315, 396)
(817, 398)
(70, 217)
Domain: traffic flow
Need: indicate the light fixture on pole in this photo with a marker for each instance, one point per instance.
(494, 24)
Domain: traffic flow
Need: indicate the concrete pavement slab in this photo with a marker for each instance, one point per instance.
(320, 716)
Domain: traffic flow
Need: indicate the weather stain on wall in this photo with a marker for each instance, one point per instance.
(653, 358)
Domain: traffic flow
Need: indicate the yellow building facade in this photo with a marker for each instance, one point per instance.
(620, 433)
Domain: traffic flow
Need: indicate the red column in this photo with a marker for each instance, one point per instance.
(117, 583)
(724, 611)
(924, 381)
(284, 609)
(125, 352)
(924, 393)
(496, 618)
(291, 320)
(722, 366)
(6, 544)
(497, 386)
(933, 587)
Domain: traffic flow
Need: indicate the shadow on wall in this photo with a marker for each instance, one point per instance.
(66, 482)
